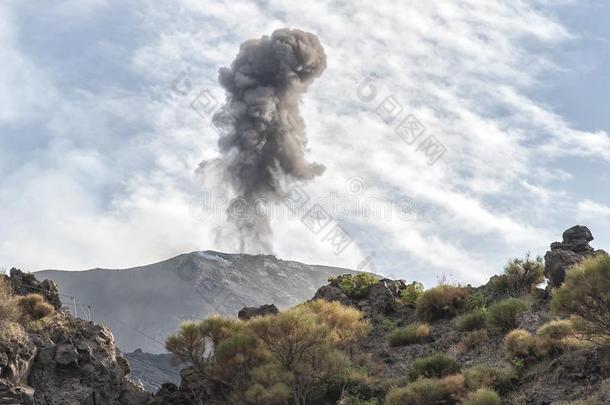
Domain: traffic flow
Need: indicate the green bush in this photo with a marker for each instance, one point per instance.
(276, 394)
(354, 286)
(472, 321)
(270, 385)
(434, 366)
(427, 391)
(520, 277)
(389, 324)
(188, 345)
(503, 314)
(488, 377)
(34, 307)
(483, 396)
(585, 293)
(410, 334)
(411, 293)
(444, 301)
(476, 300)
(473, 339)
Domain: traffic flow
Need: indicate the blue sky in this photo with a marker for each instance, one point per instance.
(98, 151)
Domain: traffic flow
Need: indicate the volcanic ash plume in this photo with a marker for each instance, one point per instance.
(263, 141)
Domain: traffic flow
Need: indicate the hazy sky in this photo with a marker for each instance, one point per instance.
(99, 141)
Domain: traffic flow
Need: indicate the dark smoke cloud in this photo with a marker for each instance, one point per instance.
(263, 141)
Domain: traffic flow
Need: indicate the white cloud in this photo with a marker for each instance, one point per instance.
(109, 179)
(25, 90)
(591, 210)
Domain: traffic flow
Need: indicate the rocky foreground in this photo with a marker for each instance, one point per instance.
(61, 360)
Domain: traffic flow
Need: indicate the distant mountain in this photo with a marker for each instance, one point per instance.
(144, 304)
(152, 370)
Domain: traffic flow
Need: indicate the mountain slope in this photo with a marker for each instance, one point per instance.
(144, 304)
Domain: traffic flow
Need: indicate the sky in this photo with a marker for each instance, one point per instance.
(105, 114)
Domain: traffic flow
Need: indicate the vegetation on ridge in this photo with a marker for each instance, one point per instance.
(291, 356)
(317, 352)
(586, 295)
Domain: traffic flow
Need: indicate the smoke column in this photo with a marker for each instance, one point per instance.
(263, 142)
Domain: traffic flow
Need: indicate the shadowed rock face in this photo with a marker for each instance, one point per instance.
(62, 361)
(143, 305)
(572, 250)
(79, 364)
(26, 283)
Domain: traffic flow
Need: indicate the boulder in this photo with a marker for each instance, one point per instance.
(331, 293)
(250, 312)
(26, 283)
(194, 389)
(577, 238)
(572, 250)
(382, 296)
(556, 262)
(170, 394)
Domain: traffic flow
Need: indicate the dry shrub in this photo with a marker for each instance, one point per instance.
(473, 339)
(294, 356)
(347, 323)
(483, 396)
(12, 331)
(557, 335)
(277, 394)
(488, 377)
(410, 334)
(270, 385)
(443, 301)
(426, 391)
(9, 311)
(34, 307)
(556, 330)
(519, 343)
(437, 365)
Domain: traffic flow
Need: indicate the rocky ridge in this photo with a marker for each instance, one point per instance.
(61, 360)
(66, 360)
(568, 377)
(156, 298)
(573, 249)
